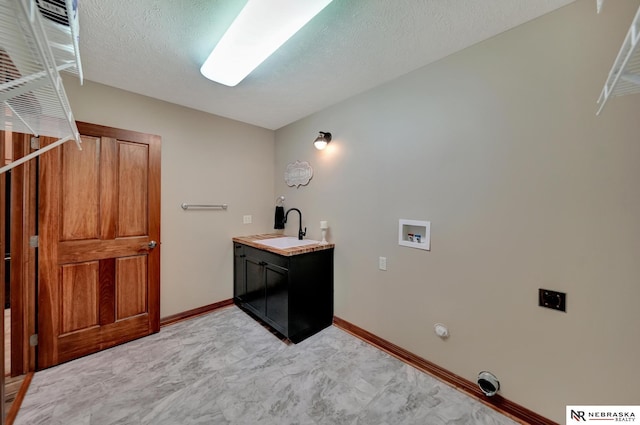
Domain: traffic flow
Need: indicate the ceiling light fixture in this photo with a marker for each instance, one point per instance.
(259, 30)
(322, 140)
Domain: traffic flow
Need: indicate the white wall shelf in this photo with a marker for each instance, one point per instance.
(33, 51)
(624, 76)
(414, 234)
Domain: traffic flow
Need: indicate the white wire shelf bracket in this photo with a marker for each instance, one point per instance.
(33, 51)
(624, 76)
(34, 154)
(63, 37)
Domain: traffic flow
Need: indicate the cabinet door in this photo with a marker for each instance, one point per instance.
(255, 287)
(239, 277)
(277, 283)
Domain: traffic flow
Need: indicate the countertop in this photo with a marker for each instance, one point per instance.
(287, 252)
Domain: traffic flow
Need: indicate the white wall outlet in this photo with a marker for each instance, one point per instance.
(382, 263)
(247, 219)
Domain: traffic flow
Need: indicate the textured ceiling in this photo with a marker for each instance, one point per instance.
(156, 48)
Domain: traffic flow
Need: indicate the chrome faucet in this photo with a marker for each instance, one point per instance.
(300, 232)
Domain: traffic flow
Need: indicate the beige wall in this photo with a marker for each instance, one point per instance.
(499, 147)
(205, 159)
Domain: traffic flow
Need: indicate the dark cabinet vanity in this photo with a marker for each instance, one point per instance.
(289, 289)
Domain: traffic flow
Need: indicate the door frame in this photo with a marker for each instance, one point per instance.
(2, 271)
(23, 257)
(23, 206)
(22, 222)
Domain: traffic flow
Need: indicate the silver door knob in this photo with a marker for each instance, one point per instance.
(153, 244)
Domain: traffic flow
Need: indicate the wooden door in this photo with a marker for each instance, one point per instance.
(99, 219)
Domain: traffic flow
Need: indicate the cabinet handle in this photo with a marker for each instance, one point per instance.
(262, 263)
(242, 256)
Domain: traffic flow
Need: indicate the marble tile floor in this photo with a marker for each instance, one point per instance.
(225, 368)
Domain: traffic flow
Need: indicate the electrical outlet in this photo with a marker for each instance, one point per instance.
(552, 299)
(382, 263)
(247, 219)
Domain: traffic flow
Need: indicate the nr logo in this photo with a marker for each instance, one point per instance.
(577, 415)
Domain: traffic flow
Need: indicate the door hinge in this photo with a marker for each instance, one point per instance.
(33, 241)
(33, 340)
(35, 143)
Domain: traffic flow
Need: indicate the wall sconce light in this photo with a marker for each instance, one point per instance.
(322, 140)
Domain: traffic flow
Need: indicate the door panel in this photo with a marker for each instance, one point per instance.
(255, 283)
(131, 286)
(277, 297)
(132, 202)
(79, 297)
(107, 308)
(80, 188)
(99, 211)
(239, 277)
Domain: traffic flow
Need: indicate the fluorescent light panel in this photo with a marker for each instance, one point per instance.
(259, 30)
